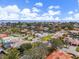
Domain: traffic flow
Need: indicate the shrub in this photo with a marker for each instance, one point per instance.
(46, 38)
(26, 46)
(57, 43)
(13, 53)
(77, 49)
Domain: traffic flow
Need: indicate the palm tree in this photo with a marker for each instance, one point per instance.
(13, 53)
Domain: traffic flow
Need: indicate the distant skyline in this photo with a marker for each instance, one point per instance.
(40, 10)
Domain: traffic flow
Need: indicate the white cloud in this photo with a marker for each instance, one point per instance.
(26, 13)
(72, 17)
(70, 12)
(68, 18)
(34, 9)
(12, 12)
(51, 12)
(39, 4)
(53, 7)
(9, 12)
(76, 15)
(11, 9)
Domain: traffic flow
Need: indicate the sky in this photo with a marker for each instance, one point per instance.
(43, 10)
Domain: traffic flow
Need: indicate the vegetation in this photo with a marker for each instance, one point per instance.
(57, 43)
(12, 54)
(46, 38)
(37, 50)
(24, 47)
(77, 49)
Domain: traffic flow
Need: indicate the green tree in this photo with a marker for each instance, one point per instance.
(13, 53)
(26, 46)
(39, 52)
(57, 43)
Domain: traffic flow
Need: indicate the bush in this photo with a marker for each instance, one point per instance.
(57, 43)
(46, 38)
(26, 46)
(36, 44)
(13, 53)
(77, 49)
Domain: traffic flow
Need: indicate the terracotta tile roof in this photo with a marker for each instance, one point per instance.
(3, 35)
(59, 55)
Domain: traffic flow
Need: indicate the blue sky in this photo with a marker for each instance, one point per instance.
(56, 10)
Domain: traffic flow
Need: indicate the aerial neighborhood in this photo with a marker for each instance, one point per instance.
(39, 40)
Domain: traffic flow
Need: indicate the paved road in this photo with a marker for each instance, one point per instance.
(71, 49)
